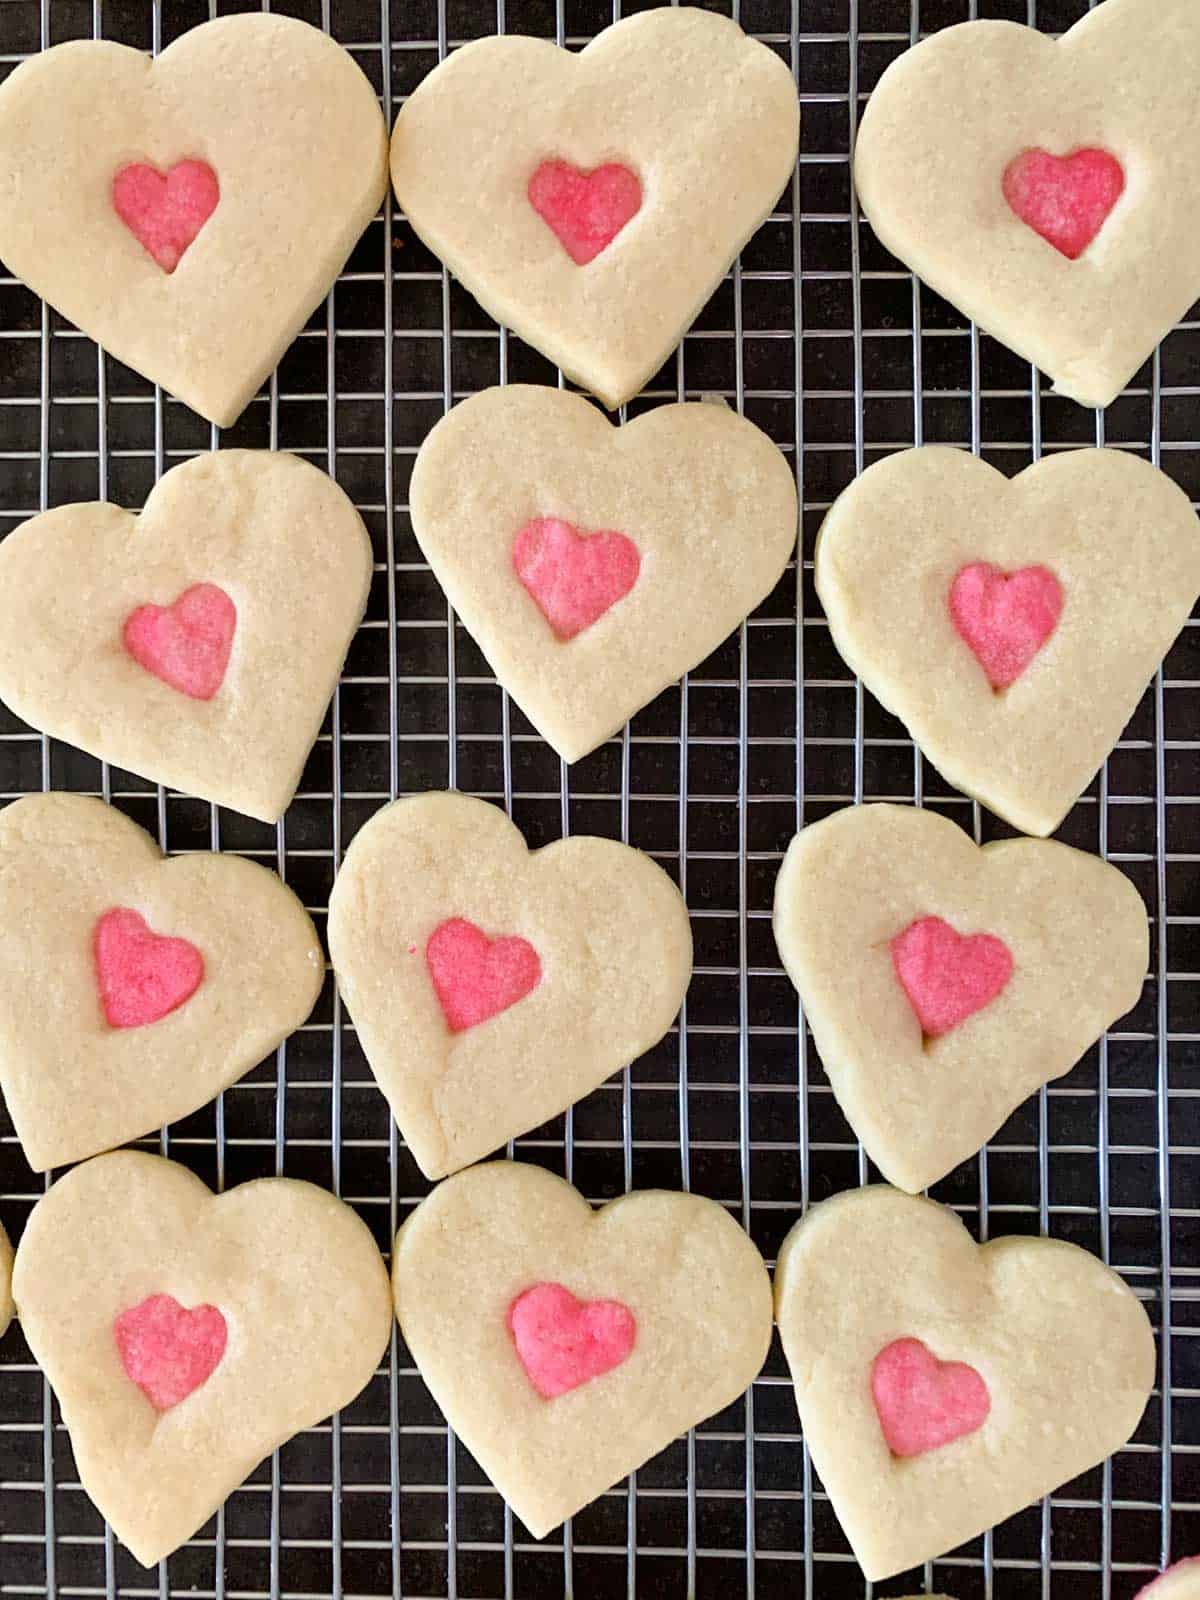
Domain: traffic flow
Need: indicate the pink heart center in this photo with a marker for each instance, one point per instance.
(167, 1350)
(586, 210)
(1005, 618)
(1065, 199)
(563, 1342)
(923, 1403)
(186, 644)
(476, 977)
(165, 211)
(573, 577)
(142, 975)
(948, 976)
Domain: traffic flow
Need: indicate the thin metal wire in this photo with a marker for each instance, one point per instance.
(379, 1470)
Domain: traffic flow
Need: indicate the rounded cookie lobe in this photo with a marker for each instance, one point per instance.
(6, 1259)
(1061, 1345)
(567, 1346)
(130, 1271)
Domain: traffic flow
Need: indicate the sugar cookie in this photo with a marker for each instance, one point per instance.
(944, 983)
(133, 989)
(1011, 625)
(1180, 1582)
(189, 212)
(593, 202)
(492, 986)
(891, 1316)
(213, 624)
(567, 1346)
(187, 1334)
(6, 1261)
(595, 565)
(1047, 189)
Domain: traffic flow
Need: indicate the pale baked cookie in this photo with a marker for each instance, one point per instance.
(187, 1334)
(593, 202)
(1011, 624)
(943, 1386)
(189, 212)
(944, 983)
(6, 1260)
(1180, 1582)
(492, 987)
(595, 565)
(133, 989)
(1047, 189)
(197, 644)
(566, 1346)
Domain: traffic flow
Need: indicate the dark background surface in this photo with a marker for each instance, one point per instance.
(841, 359)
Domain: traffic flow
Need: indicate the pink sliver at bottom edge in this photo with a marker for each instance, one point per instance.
(475, 977)
(584, 210)
(923, 1403)
(165, 211)
(563, 1342)
(186, 644)
(1004, 618)
(948, 976)
(169, 1350)
(1066, 200)
(573, 577)
(142, 975)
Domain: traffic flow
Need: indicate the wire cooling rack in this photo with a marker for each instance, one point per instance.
(823, 341)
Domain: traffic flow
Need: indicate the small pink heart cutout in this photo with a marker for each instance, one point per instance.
(585, 210)
(573, 577)
(948, 976)
(167, 1350)
(476, 977)
(187, 644)
(563, 1342)
(142, 975)
(1004, 618)
(165, 211)
(1065, 199)
(923, 1403)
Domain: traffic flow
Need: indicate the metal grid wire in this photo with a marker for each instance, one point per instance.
(821, 339)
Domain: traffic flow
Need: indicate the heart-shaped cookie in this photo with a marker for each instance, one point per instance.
(879, 916)
(595, 565)
(567, 1346)
(1011, 624)
(213, 624)
(593, 202)
(1044, 187)
(492, 987)
(1059, 1344)
(133, 989)
(189, 212)
(187, 1334)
